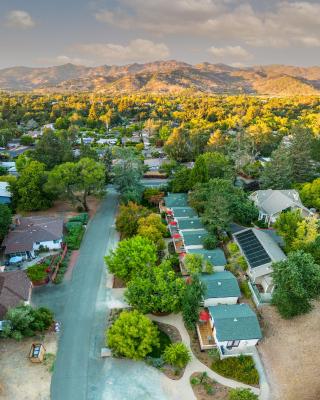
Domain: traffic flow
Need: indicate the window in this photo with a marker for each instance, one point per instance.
(56, 241)
(38, 242)
(233, 343)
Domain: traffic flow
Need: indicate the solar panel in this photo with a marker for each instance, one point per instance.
(252, 249)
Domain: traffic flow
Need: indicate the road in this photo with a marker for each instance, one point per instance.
(82, 306)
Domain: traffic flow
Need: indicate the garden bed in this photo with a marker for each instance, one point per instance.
(208, 389)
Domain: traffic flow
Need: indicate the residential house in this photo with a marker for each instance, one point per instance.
(15, 289)
(221, 288)
(10, 166)
(5, 195)
(260, 251)
(31, 233)
(154, 164)
(182, 212)
(271, 203)
(232, 328)
(194, 239)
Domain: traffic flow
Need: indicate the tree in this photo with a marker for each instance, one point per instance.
(297, 283)
(242, 394)
(76, 181)
(286, 226)
(152, 228)
(128, 172)
(191, 304)
(306, 233)
(5, 220)
(181, 180)
(132, 335)
(177, 355)
(26, 321)
(132, 257)
(310, 194)
(277, 173)
(128, 217)
(156, 289)
(30, 187)
(178, 145)
(52, 149)
(26, 140)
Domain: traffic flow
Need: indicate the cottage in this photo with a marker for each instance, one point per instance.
(221, 288)
(260, 251)
(189, 224)
(31, 233)
(154, 164)
(176, 200)
(215, 257)
(194, 239)
(15, 288)
(5, 195)
(183, 212)
(271, 203)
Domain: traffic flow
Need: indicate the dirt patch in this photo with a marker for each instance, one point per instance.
(20, 379)
(118, 283)
(289, 353)
(196, 350)
(66, 209)
(208, 389)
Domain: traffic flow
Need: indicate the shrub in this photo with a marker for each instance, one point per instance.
(242, 394)
(240, 368)
(83, 218)
(177, 355)
(37, 272)
(244, 286)
(74, 237)
(210, 242)
(241, 261)
(132, 335)
(233, 248)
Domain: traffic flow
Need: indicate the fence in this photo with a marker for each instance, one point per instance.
(56, 268)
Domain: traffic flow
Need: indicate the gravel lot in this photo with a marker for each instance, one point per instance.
(290, 354)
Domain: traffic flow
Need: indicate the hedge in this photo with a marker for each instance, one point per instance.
(240, 368)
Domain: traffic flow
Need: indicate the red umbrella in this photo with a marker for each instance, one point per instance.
(176, 236)
(174, 223)
(182, 254)
(204, 316)
(169, 212)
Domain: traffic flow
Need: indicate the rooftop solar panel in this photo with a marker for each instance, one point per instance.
(252, 249)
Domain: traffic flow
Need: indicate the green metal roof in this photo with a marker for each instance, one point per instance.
(176, 200)
(235, 322)
(220, 285)
(194, 238)
(189, 223)
(179, 212)
(215, 257)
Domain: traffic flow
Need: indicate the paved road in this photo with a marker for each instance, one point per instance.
(82, 306)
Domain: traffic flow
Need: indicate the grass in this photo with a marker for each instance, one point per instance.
(240, 368)
(49, 360)
(244, 286)
(164, 342)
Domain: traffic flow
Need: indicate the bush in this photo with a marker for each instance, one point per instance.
(233, 248)
(240, 368)
(164, 341)
(132, 335)
(242, 263)
(74, 237)
(244, 286)
(83, 218)
(177, 355)
(210, 242)
(242, 394)
(37, 272)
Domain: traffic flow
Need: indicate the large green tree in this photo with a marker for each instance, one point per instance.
(132, 257)
(297, 283)
(128, 217)
(178, 145)
(191, 304)
(132, 335)
(5, 220)
(76, 181)
(156, 289)
(310, 194)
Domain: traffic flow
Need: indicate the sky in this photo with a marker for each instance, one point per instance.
(95, 32)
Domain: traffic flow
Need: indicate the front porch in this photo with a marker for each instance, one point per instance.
(205, 335)
(235, 351)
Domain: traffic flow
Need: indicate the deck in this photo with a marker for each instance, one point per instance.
(205, 335)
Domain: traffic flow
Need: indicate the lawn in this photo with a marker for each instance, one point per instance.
(240, 368)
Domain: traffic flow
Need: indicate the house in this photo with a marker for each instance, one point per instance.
(235, 329)
(271, 203)
(5, 195)
(154, 164)
(189, 224)
(216, 257)
(260, 251)
(194, 239)
(10, 166)
(31, 233)
(15, 288)
(176, 200)
(183, 212)
(221, 288)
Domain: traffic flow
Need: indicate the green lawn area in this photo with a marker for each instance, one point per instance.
(240, 368)
(164, 342)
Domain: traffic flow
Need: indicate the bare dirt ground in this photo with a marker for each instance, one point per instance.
(290, 354)
(66, 209)
(209, 389)
(19, 378)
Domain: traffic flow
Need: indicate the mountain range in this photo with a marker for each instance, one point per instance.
(165, 77)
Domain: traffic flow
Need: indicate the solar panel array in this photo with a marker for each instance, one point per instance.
(253, 249)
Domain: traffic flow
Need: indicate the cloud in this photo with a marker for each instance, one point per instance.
(63, 59)
(282, 24)
(138, 50)
(19, 19)
(230, 53)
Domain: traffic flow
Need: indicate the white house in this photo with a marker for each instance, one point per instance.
(271, 203)
(221, 288)
(32, 233)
